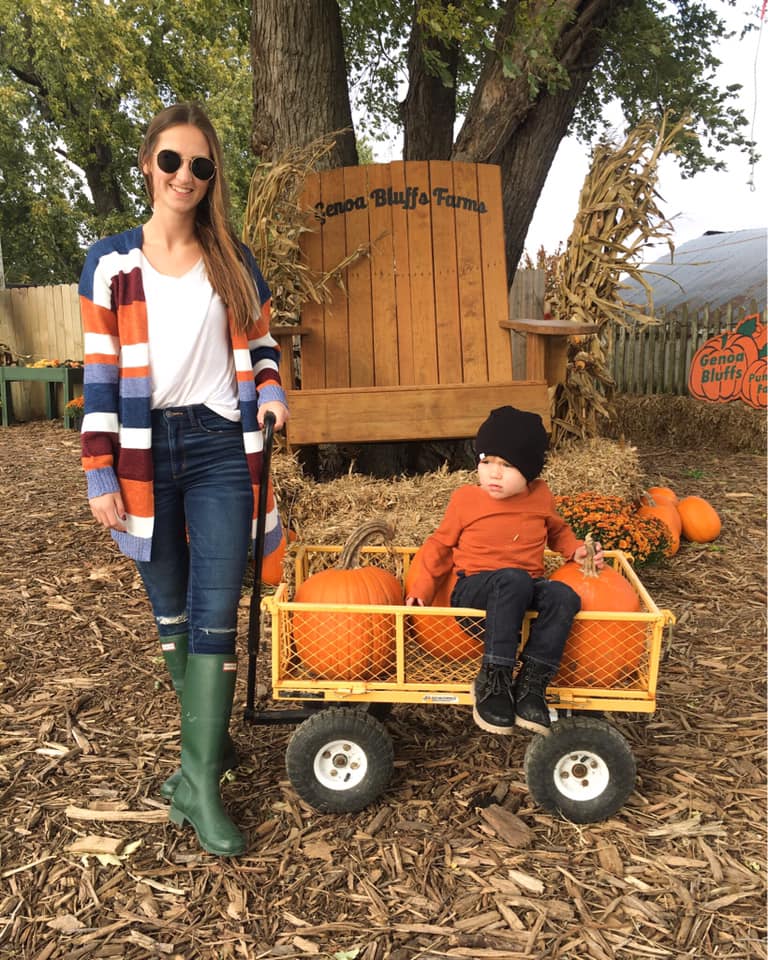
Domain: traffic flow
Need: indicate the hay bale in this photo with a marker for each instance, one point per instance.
(688, 424)
(326, 513)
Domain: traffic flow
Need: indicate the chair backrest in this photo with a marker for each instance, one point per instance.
(424, 307)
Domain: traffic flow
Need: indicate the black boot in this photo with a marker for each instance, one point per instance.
(494, 708)
(175, 652)
(532, 712)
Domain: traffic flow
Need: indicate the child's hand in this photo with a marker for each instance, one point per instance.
(580, 554)
(413, 602)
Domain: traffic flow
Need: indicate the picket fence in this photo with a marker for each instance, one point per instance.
(44, 322)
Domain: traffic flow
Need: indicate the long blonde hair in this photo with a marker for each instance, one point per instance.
(222, 253)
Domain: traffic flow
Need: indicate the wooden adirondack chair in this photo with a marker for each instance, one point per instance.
(416, 344)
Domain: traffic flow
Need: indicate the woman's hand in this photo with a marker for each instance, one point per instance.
(413, 602)
(108, 509)
(278, 409)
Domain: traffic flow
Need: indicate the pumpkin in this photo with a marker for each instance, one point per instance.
(341, 644)
(441, 637)
(667, 512)
(600, 653)
(700, 520)
(654, 494)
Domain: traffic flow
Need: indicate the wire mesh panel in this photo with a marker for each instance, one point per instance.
(398, 650)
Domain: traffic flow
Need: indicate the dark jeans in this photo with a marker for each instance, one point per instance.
(506, 595)
(203, 507)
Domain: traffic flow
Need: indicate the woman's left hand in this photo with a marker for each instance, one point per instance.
(278, 409)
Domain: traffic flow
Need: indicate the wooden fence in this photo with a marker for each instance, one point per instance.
(44, 322)
(656, 358)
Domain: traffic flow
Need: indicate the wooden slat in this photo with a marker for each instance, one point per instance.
(358, 280)
(446, 279)
(358, 415)
(472, 303)
(312, 314)
(494, 267)
(406, 342)
(383, 279)
(336, 325)
(419, 225)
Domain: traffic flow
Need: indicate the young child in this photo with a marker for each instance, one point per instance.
(494, 535)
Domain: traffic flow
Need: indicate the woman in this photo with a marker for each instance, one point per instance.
(180, 369)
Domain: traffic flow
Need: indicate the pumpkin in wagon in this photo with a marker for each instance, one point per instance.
(606, 652)
(442, 637)
(345, 644)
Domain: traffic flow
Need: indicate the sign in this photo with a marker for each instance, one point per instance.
(733, 365)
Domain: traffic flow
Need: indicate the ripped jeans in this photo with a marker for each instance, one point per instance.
(203, 506)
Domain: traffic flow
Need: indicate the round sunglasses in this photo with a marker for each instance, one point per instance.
(202, 168)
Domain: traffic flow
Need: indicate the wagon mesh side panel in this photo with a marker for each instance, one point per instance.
(436, 646)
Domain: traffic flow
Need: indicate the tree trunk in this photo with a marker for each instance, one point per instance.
(504, 126)
(293, 106)
(429, 109)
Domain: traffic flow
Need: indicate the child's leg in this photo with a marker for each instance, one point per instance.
(505, 595)
(556, 605)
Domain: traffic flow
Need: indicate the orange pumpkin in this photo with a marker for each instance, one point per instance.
(700, 520)
(656, 494)
(754, 384)
(600, 653)
(347, 645)
(441, 637)
(668, 514)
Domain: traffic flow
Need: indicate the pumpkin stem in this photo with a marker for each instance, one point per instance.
(348, 556)
(588, 568)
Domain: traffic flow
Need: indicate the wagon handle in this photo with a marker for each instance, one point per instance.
(254, 616)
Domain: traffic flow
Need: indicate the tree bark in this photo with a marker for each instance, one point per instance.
(428, 112)
(505, 126)
(299, 79)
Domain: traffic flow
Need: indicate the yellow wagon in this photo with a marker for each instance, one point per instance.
(346, 665)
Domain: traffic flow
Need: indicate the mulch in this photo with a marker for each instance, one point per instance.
(90, 867)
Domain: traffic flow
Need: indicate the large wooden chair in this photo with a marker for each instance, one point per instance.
(415, 343)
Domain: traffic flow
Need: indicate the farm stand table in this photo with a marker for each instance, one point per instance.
(50, 376)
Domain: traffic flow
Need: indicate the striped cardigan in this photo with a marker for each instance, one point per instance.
(117, 432)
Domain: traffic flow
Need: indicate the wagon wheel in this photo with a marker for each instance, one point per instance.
(340, 760)
(583, 770)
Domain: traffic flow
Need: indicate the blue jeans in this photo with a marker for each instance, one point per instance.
(203, 508)
(506, 595)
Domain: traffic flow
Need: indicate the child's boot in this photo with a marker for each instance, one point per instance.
(494, 708)
(209, 687)
(532, 712)
(175, 651)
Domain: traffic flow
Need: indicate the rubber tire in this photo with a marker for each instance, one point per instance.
(369, 738)
(611, 754)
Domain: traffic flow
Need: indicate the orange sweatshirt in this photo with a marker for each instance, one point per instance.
(480, 533)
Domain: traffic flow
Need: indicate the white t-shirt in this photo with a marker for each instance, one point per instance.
(190, 354)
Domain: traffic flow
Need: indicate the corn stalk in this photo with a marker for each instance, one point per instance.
(274, 223)
(618, 217)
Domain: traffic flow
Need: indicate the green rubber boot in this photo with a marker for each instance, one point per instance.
(206, 705)
(175, 655)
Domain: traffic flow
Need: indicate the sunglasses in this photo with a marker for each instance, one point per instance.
(202, 168)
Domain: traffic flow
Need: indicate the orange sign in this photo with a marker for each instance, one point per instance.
(733, 365)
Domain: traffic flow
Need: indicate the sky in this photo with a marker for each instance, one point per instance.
(734, 199)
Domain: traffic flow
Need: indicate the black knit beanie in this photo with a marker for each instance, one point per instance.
(516, 436)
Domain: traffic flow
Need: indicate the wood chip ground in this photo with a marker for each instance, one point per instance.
(90, 868)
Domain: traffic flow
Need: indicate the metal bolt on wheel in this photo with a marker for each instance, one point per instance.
(340, 760)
